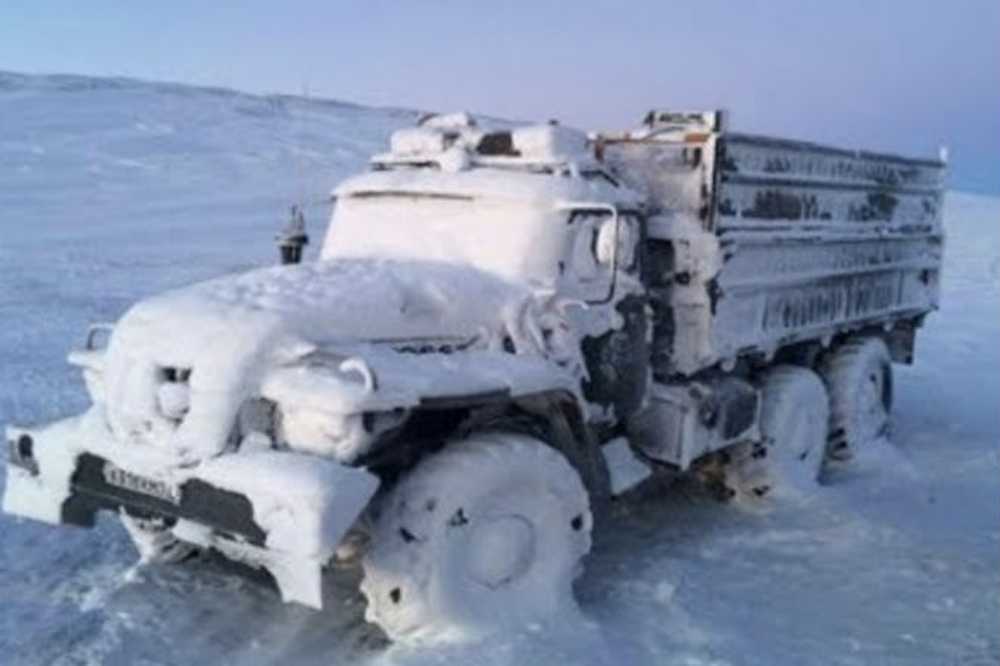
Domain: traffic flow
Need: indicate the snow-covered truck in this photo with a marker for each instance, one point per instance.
(504, 329)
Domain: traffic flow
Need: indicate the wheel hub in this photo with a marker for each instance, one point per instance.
(500, 550)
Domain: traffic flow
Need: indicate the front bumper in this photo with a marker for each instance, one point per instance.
(284, 511)
(226, 513)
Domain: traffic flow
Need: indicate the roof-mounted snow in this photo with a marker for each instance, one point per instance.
(451, 156)
(455, 142)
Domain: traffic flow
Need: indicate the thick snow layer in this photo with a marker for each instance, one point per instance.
(290, 491)
(895, 561)
(230, 333)
(460, 549)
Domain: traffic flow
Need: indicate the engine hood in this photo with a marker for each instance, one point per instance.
(223, 337)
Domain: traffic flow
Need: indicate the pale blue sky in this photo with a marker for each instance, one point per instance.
(891, 74)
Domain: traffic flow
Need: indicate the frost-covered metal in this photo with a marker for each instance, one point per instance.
(759, 242)
(534, 282)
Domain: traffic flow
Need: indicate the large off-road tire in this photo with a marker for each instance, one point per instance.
(154, 541)
(793, 423)
(489, 532)
(858, 376)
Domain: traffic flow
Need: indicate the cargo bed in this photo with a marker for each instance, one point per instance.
(759, 243)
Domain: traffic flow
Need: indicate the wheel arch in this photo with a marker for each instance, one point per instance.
(555, 417)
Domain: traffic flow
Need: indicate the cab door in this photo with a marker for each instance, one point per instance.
(603, 272)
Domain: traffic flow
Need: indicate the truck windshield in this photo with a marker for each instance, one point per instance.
(515, 239)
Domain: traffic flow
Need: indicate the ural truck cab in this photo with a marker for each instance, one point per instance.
(504, 329)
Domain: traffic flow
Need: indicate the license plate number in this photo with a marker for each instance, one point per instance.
(120, 478)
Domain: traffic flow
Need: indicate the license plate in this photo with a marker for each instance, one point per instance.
(120, 478)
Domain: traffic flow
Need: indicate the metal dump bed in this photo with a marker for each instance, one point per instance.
(757, 242)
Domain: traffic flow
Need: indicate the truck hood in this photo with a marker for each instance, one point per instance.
(221, 339)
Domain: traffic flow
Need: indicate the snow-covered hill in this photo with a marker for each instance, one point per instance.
(165, 183)
(111, 190)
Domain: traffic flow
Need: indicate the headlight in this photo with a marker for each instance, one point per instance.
(339, 436)
(344, 437)
(321, 400)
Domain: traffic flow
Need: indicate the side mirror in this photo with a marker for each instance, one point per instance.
(607, 240)
(628, 240)
(615, 246)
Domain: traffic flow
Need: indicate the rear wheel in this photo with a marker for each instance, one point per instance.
(488, 532)
(793, 424)
(858, 376)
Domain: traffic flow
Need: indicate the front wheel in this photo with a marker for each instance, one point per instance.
(488, 532)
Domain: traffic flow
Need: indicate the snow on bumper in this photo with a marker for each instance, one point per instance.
(281, 510)
(38, 481)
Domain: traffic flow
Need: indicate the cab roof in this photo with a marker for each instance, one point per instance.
(451, 157)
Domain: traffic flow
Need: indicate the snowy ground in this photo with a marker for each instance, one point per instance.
(110, 191)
